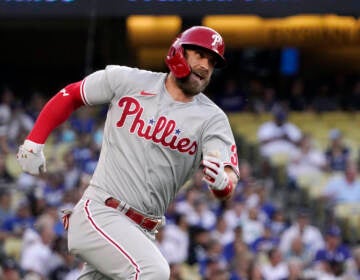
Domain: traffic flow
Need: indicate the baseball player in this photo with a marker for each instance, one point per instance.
(160, 128)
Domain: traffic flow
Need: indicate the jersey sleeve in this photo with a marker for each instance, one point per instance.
(218, 137)
(100, 87)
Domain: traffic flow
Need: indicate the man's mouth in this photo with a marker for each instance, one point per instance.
(199, 76)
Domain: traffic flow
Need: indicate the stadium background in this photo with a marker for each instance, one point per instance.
(270, 46)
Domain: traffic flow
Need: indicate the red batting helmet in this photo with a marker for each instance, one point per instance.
(199, 36)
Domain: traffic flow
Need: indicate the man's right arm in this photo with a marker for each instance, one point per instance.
(56, 111)
(97, 88)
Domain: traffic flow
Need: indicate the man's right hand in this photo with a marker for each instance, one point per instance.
(31, 157)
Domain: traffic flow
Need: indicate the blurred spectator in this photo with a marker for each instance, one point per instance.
(234, 214)
(83, 184)
(202, 216)
(310, 235)
(37, 257)
(53, 190)
(199, 238)
(21, 220)
(82, 121)
(166, 247)
(20, 125)
(246, 180)
(267, 102)
(296, 269)
(335, 256)
(337, 154)
(171, 212)
(56, 215)
(262, 200)
(278, 136)
(276, 268)
(37, 102)
(6, 212)
(254, 271)
(84, 153)
(177, 237)
(323, 100)
(340, 88)
(299, 252)
(98, 133)
(252, 226)
(92, 162)
(66, 134)
(345, 187)
(231, 99)
(239, 266)
(222, 232)
(353, 101)
(278, 222)
(236, 247)
(6, 179)
(213, 260)
(255, 91)
(297, 100)
(265, 242)
(175, 271)
(66, 265)
(356, 269)
(71, 171)
(10, 270)
(307, 161)
(215, 271)
(6, 100)
(27, 183)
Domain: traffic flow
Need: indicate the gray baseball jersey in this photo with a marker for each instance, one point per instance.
(152, 144)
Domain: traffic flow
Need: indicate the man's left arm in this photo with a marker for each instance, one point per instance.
(220, 158)
(221, 179)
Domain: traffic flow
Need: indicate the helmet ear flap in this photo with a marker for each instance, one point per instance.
(176, 61)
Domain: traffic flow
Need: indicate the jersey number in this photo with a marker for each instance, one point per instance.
(234, 155)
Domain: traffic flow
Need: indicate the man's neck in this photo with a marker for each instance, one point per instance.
(176, 93)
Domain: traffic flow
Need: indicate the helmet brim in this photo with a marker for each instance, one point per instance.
(220, 60)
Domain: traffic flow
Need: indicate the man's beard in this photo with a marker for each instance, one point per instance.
(191, 87)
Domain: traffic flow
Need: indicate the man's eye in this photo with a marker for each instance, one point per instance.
(200, 53)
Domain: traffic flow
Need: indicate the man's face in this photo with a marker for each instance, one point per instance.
(202, 63)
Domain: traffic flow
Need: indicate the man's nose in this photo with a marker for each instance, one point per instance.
(205, 63)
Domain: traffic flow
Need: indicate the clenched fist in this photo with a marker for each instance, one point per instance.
(31, 157)
(214, 172)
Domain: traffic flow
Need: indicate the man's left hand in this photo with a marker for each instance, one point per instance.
(214, 172)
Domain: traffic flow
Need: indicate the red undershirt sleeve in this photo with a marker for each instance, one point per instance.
(56, 111)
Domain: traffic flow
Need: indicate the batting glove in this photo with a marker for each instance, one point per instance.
(215, 175)
(31, 157)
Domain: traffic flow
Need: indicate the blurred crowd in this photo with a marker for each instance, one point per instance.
(251, 236)
(263, 94)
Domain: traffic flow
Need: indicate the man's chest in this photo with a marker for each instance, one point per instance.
(168, 125)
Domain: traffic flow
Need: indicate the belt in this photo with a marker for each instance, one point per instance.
(150, 224)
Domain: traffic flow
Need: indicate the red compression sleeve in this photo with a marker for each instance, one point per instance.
(56, 111)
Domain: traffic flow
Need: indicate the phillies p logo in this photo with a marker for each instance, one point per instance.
(216, 40)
